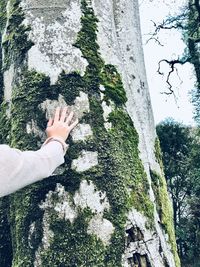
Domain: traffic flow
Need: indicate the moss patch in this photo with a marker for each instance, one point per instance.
(80, 248)
(112, 82)
(5, 238)
(163, 204)
(165, 211)
(3, 17)
(158, 153)
(14, 42)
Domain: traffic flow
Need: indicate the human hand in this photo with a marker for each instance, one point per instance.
(60, 126)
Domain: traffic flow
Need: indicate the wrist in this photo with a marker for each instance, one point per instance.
(58, 139)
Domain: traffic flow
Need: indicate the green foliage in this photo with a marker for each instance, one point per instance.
(176, 143)
(180, 146)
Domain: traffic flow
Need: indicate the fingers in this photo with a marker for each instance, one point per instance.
(69, 118)
(57, 114)
(63, 114)
(50, 122)
(73, 124)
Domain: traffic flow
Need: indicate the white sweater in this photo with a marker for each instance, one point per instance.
(18, 169)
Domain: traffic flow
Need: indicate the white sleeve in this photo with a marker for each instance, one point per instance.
(18, 169)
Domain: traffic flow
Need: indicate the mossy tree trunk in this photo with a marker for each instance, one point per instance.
(108, 204)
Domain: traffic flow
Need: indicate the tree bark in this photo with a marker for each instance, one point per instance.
(107, 205)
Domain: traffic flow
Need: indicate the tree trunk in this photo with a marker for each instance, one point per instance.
(107, 205)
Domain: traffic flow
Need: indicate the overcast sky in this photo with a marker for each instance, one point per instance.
(166, 106)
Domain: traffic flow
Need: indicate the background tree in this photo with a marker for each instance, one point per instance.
(99, 208)
(180, 147)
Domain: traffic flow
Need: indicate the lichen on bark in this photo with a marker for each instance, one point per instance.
(163, 204)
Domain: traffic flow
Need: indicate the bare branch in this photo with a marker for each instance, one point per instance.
(176, 22)
(155, 39)
(173, 68)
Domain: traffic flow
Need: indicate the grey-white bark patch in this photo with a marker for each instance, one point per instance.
(48, 235)
(30, 234)
(31, 127)
(151, 243)
(67, 207)
(119, 38)
(101, 227)
(49, 106)
(85, 161)
(89, 196)
(107, 109)
(64, 209)
(63, 205)
(82, 132)
(80, 107)
(81, 104)
(54, 27)
(38, 261)
(8, 80)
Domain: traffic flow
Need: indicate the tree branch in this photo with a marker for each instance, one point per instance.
(171, 64)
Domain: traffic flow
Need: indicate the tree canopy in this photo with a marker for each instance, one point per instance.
(180, 146)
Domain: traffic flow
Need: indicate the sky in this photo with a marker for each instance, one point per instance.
(179, 106)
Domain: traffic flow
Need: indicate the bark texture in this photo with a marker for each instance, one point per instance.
(108, 204)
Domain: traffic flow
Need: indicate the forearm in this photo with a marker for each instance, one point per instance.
(23, 168)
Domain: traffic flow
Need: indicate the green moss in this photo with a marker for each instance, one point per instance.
(121, 175)
(24, 244)
(158, 153)
(112, 82)
(165, 211)
(1, 75)
(2, 15)
(69, 85)
(132, 168)
(163, 204)
(15, 42)
(80, 248)
(5, 238)
(27, 95)
(4, 124)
